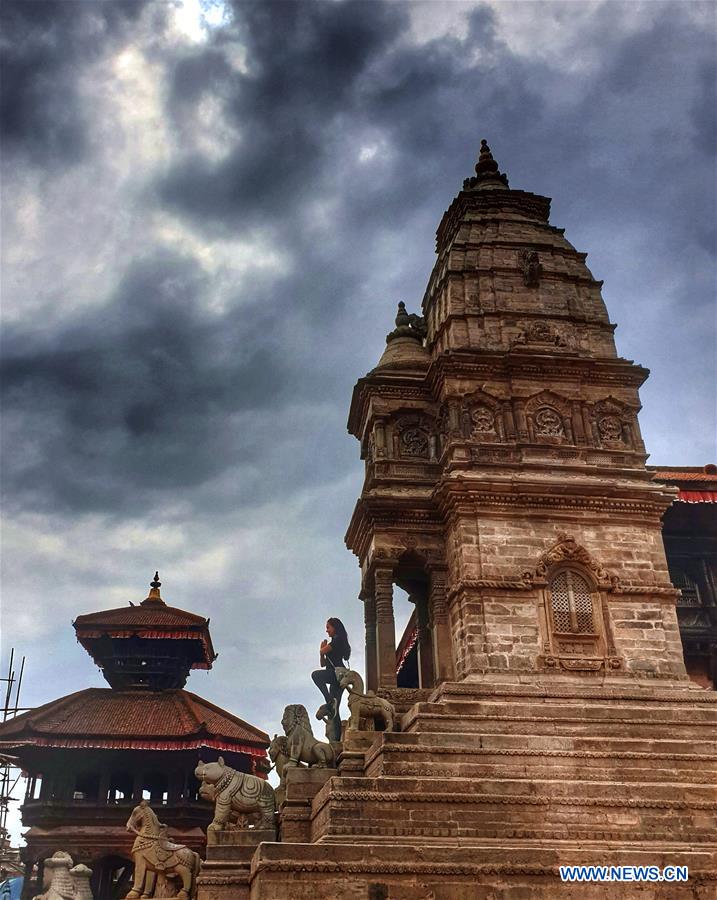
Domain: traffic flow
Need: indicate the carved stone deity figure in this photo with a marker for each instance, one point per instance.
(155, 855)
(236, 794)
(63, 881)
(365, 707)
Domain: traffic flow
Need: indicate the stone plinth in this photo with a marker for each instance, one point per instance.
(225, 872)
(302, 785)
(352, 757)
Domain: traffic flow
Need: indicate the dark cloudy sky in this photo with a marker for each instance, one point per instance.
(209, 212)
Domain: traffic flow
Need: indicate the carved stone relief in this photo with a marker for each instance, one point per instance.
(612, 424)
(549, 419)
(548, 422)
(538, 331)
(414, 438)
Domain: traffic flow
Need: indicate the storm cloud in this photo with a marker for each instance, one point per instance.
(210, 211)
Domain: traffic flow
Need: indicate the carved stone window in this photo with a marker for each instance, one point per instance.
(571, 604)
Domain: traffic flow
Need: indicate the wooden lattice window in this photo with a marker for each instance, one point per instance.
(688, 586)
(571, 604)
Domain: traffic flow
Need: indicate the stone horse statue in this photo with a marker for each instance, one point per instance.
(154, 854)
(62, 881)
(366, 708)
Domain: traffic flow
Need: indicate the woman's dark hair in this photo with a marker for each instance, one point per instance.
(340, 639)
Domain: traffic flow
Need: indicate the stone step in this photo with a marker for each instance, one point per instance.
(481, 756)
(692, 795)
(522, 870)
(454, 808)
(546, 769)
(424, 717)
(560, 691)
(574, 710)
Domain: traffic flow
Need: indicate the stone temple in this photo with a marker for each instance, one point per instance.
(506, 492)
(547, 718)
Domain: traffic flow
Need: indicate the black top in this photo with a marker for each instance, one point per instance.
(333, 655)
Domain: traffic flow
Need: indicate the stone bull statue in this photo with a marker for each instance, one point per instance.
(236, 794)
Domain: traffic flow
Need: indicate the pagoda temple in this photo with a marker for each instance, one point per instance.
(93, 755)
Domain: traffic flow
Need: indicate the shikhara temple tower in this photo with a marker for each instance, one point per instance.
(549, 720)
(506, 488)
(93, 755)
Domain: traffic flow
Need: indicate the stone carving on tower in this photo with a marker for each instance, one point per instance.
(498, 429)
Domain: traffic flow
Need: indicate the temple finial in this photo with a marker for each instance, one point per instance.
(154, 595)
(485, 163)
(487, 172)
(407, 325)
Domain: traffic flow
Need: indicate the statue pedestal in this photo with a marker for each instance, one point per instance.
(302, 785)
(225, 873)
(352, 759)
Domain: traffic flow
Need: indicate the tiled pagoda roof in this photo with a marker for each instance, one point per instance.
(132, 720)
(696, 484)
(151, 619)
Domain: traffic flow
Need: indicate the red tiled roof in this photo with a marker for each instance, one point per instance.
(148, 620)
(683, 475)
(697, 497)
(104, 718)
(696, 485)
(155, 615)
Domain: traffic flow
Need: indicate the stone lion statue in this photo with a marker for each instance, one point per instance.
(366, 708)
(302, 746)
(236, 794)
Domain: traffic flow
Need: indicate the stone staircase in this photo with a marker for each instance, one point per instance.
(489, 788)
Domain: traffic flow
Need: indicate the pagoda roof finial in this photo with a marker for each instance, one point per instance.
(154, 595)
(487, 171)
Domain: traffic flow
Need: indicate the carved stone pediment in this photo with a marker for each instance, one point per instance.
(567, 549)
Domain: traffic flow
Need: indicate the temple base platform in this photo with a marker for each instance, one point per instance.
(488, 789)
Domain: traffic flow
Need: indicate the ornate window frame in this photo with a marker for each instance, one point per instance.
(574, 651)
(574, 643)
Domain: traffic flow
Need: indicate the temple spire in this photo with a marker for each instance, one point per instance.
(487, 171)
(154, 595)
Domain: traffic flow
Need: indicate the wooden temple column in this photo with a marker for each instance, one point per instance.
(136, 786)
(385, 628)
(426, 671)
(439, 626)
(369, 618)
